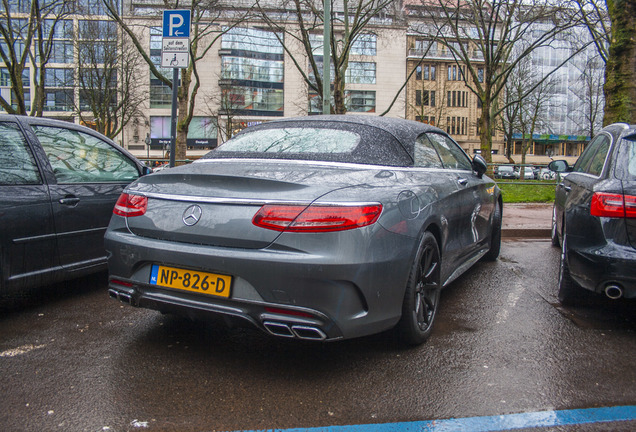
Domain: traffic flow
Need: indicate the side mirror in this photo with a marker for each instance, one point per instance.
(559, 166)
(479, 165)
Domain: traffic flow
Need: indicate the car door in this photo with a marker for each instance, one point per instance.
(90, 174)
(27, 230)
(575, 192)
(475, 196)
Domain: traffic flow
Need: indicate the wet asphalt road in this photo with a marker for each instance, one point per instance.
(72, 359)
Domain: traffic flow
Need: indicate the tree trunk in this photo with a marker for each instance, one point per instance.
(620, 72)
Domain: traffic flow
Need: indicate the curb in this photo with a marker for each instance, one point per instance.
(531, 233)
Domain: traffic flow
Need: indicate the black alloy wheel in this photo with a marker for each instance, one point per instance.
(554, 236)
(422, 293)
(495, 236)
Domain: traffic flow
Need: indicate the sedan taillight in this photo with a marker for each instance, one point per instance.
(316, 218)
(131, 205)
(613, 205)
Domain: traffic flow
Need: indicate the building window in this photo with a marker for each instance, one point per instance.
(425, 72)
(360, 101)
(160, 93)
(426, 119)
(360, 73)
(251, 69)
(365, 44)
(254, 100)
(252, 61)
(425, 98)
(480, 75)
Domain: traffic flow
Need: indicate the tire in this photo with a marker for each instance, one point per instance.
(421, 299)
(554, 236)
(569, 292)
(495, 236)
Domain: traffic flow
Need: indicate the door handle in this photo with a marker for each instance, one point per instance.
(564, 187)
(462, 181)
(70, 201)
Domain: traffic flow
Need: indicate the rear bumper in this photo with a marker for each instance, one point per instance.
(284, 292)
(598, 268)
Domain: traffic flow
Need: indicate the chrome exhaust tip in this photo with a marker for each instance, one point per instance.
(613, 291)
(278, 329)
(307, 332)
(123, 297)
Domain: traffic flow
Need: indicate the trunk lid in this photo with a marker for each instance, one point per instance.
(213, 202)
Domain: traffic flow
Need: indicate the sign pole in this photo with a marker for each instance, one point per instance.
(173, 118)
(175, 54)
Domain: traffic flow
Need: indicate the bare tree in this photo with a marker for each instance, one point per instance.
(588, 98)
(27, 30)
(110, 94)
(533, 112)
(594, 15)
(349, 24)
(206, 18)
(484, 35)
(620, 72)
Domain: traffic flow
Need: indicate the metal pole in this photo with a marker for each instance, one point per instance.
(326, 59)
(173, 125)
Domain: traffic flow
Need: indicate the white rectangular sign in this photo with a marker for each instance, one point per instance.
(175, 59)
(175, 45)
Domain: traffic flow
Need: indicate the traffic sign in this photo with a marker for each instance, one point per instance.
(176, 23)
(179, 60)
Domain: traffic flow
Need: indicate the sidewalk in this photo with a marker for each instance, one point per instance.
(527, 220)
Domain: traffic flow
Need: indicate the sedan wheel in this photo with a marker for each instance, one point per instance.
(495, 236)
(422, 294)
(553, 234)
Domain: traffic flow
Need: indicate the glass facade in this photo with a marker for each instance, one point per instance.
(252, 72)
(160, 93)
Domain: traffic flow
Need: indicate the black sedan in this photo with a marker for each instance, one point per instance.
(594, 217)
(58, 185)
(319, 228)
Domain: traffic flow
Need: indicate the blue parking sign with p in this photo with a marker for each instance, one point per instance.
(176, 23)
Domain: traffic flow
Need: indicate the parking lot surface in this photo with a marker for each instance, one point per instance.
(73, 359)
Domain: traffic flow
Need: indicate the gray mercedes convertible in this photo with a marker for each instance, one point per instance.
(316, 228)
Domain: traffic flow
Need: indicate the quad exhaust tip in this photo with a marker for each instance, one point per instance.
(120, 295)
(613, 291)
(294, 331)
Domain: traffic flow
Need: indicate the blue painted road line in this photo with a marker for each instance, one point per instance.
(489, 423)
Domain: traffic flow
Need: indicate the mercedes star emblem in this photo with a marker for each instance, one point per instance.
(191, 215)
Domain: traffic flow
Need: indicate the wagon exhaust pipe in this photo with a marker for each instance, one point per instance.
(613, 291)
(294, 331)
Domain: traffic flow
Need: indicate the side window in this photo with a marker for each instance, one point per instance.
(453, 157)
(17, 165)
(77, 157)
(583, 162)
(598, 161)
(425, 154)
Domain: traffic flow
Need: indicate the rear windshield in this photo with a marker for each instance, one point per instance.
(316, 142)
(294, 140)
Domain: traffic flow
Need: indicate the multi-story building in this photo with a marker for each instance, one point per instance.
(248, 76)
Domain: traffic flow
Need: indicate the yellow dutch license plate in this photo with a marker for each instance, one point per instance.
(190, 280)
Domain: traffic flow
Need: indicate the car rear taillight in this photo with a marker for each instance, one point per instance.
(316, 218)
(613, 205)
(131, 205)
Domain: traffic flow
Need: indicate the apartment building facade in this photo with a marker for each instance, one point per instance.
(248, 77)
